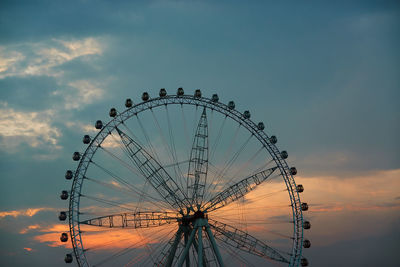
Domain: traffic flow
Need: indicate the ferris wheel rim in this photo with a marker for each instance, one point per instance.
(263, 138)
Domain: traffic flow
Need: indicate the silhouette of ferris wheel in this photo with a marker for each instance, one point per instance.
(183, 180)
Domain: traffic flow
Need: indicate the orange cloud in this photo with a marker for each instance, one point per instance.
(343, 208)
(28, 249)
(55, 228)
(117, 239)
(333, 201)
(94, 237)
(30, 227)
(51, 235)
(25, 212)
(52, 240)
(360, 206)
(340, 208)
(372, 191)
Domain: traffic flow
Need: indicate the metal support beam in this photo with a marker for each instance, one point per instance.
(171, 255)
(200, 248)
(196, 247)
(188, 245)
(187, 259)
(214, 246)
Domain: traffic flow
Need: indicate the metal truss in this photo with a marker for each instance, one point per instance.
(245, 242)
(155, 174)
(198, 163)
(133, 220)
(238, 190)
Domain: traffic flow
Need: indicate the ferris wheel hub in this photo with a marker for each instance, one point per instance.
(190, 219)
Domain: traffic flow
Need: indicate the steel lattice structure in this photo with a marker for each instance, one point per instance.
(190, 208)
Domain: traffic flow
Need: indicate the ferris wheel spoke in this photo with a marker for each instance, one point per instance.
(155, 174)
(198, 163)
(244, 241)
(245, 165)
(133, 220)
(142, 193)
(178, 172)
(124, 186)
(218, 138)
(185, 128)
(238, 190)
(234, 255)
(176, 163)
(134, 194)
(264, 165)
(167, 147)
(219, 178)
(160, 236)
(116, 255)
(151, 150)
(123, 206)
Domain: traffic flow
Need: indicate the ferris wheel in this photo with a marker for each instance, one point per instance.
(183, 180)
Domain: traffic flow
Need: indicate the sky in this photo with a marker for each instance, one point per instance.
(323, 76)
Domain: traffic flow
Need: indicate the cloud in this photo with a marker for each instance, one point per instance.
(95, 237)
(111, 143)
(28, 249)
(9, 59)
(51, 236)
(365, 191)
(346, 207)
(86, 128)
(25, 212)
(357, 206)
(29, 228)
(39, 59)
(32, 128)
(80, 93)
(34, 60)
(78, 48)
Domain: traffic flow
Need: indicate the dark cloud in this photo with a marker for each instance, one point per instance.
(357, 252)
(49, 19)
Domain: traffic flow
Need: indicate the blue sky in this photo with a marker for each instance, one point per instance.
(322, 75)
